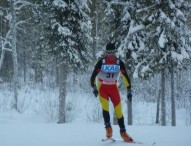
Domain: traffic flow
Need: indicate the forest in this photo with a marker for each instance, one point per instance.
(48, 50)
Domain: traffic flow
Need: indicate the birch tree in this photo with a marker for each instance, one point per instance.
(5, 37)
(10, 42)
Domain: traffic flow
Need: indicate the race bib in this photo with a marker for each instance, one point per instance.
(110, 68)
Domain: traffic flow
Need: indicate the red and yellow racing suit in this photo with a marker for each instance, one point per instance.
(107, 73)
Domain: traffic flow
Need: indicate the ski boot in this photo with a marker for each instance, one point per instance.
(125, 136)
(108, 132)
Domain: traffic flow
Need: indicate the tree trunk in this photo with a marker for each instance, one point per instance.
(158, 105)
(189, 108)
(130, 113)
(14, 54)
(94, 15)
(173, 110)
(189, 98)
(129, 104)
(178, 87)
(38, 67)
(163, 103)
(1, 42)
(115, 120)
(62, 91)
(2, 58)
(25, 64)
(57, 71)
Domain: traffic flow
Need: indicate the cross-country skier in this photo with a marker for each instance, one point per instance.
(107, 71)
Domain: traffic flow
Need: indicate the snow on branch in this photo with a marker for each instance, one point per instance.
(20, 4)
(135, 29)
(1, 8)
(180, 56)
(60, 4)
(22, 22)
(65, 31)
(137, 67)
(162, 40)
(4, 43)
(115, 2)
(145, 9)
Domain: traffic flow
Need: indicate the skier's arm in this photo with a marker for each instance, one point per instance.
(125, 75)
(95, 72)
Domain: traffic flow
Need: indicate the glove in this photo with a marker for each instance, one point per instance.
(95, 91)
(129, 95)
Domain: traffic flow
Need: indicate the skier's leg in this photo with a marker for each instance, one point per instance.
(115, 98)
(104, 100)
(106, 118)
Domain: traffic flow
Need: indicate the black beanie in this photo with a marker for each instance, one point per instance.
(110, 47)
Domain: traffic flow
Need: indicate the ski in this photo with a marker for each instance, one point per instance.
(108, 139)
(113, 140)
(131, 142)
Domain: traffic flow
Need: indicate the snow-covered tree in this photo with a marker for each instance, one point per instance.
(156, 36)
(164, 43)
(9, 40)
(69, 39)
(100, 29)
(164, 40)
(5, 41)
(31, 42)
(121, 17)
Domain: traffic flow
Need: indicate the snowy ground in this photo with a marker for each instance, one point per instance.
(28, 130)
(36, 124)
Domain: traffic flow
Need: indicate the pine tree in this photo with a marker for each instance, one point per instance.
(124, 23)
(32, 41)
(69, 39)
(173, 43)
(156, 34)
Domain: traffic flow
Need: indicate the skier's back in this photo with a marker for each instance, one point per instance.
(107, 70)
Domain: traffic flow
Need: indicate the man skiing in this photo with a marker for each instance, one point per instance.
(107, 71)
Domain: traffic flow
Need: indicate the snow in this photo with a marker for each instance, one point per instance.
(60, 4)
(134, 29)
(64, 30)
(180, 14)
(22, 130)
(36, 125)
(145, 69)
(126, 17)
(162, 40)
(181, 56)
(1, 13)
